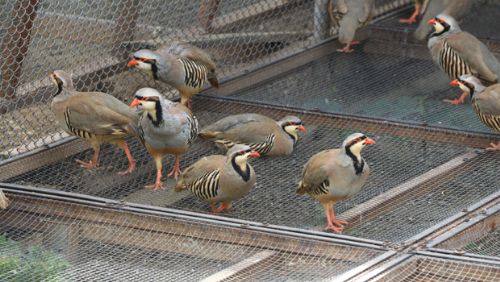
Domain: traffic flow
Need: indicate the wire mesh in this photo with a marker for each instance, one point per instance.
(389, 77)
(480, 238)
(96, 243)
(420, 268)
(274, 201)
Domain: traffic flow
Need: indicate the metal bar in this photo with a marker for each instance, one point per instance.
(207, 12)
(376, 202)
(365, 266)
(458, 258)
(462, 227)
(125, 25)
(379, 269)
(239, 267)
(449, 252)
(68, 197)
(15, 45)
(444, 225)
(321, 19)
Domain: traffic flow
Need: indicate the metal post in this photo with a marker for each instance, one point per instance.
(15, 45)
(125, 25)
(321, 19)
(207, 12)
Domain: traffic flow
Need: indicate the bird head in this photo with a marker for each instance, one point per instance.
(443, 23)
(292, 125)
(356, 142)
(61, 79)
(240, 153)
(146, 99)
(468, 83)
(145, 60)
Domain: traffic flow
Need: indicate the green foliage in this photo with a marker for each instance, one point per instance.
(31, 264)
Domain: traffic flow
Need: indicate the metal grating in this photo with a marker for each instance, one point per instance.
(102, 243)
(273, 200)
(420, 269)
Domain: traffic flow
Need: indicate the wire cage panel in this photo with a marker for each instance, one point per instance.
(105, 243)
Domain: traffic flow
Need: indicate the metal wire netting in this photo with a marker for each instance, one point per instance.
(97, 243)
(420, 268)
(425, 166)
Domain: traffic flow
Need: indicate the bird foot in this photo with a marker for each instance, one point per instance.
(156, 186)
(458, 101)
(346, 49)
(220, 208)
(87, 165)
(339, 222)
(409, 20)
(175, 172)
(336, 229)
(494, 147)
(355, 42)
(129, 170)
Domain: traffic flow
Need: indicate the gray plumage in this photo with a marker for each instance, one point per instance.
(94, 116)
(455, 8)
(261, 133)
(220, 179)
(458, 52)
(349, 16)
(181, 65)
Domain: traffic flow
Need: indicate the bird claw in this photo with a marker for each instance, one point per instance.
(458, 101)
(129, 170)
(494, 147)
(87, 165)
(345, 50)
(408, 20)
(339, 222)
(175, 172)
(336, 229)
(156, 186)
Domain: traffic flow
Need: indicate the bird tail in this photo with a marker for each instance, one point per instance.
(212, 78)
(4, 201)
(180, 186)
(301, 189)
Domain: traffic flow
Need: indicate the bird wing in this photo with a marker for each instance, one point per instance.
(366, 13)
(232, 122)
(202, 167)
(476, 54)
(97, 113)
(337, 9)
(317, 170)
(186, 50)
(489, 100)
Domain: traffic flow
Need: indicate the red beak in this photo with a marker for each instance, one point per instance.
(301, 128)
(369, 141)
(432, 21)
(132, 63)
(254, 154)
(135, 103)
(454, 83)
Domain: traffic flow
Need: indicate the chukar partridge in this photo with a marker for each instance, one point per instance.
(261, 133)
(180, 65)
(4, 201)
(348, 16)
(457, 9)
(220, 179)
(165, 127)
(420, 8)
(94, 116)
(458, 52)
(485, 102)
(335, 175)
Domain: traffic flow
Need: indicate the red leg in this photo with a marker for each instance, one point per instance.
(336, 221)
(131, 162)
(330, 225)
(176, 170)
(458, 101)
(494, 147)
(158, 185)
(413, 17)
(93, 162)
